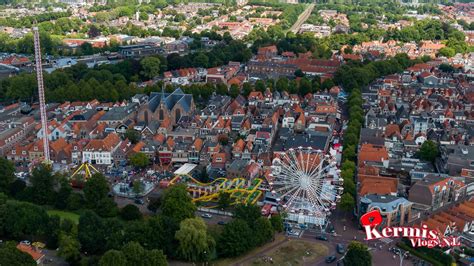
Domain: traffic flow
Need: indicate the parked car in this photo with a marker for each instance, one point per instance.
(139, 201)
(26, 242)
(206, 215)
(340, 248)
(322, 237)
(294, 233)
(221, 223)
(330, 259)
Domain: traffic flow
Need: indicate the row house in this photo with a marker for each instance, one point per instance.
(435, 192)
(16, 132)
(99, 151)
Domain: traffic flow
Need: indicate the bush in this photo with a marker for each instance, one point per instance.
(130, 212)
(431, 255)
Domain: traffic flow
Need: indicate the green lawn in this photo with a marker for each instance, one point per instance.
(295, 252)
(65, 215)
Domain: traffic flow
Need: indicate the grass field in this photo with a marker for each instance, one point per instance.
(292, 252)
(65, 215)
(295, 252)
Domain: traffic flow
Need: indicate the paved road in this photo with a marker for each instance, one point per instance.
(302, 18)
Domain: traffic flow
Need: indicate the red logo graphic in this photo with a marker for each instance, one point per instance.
(419, 236)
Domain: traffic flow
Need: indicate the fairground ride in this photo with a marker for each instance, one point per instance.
(241, 190)
(82, 174)
(307, 185)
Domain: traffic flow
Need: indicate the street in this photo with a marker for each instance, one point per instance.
(302, 18)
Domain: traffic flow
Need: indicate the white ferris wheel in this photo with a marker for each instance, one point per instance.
(306, 181)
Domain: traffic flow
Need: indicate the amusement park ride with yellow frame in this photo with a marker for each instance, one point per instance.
(86, 169)
(240, 189)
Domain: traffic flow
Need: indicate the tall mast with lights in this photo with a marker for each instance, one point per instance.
(42, 102)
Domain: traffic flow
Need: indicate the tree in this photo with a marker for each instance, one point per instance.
(446, 68)
(10, 255)
(221, 89)
(91, 232)
(177, 204)
(447, 51)
(235, 239)
(106, 207)
(130, 212)
(327, 84)
(155, 257)
(428, 151)
(263, 231)
(63, 194)
(93, 31)
(42, 185)
(3, 198)
(154, 204)
(277, 222)
(95, 189)
(201, 60)
(260, 86)
(248, 213)
(305, 86)
(132, 135)
(234, 91)
(195, 244)
(19, 219)
(347, 202)
(139, 160)
(87, 49)
(150, 67)
(137, 187)
(69, 248)
(246, 89)
(357, 255)
(75, 201)
(17, 188)
(349, 187)
(7, 174)
(224, 200)
(299, 73)
(113, 258)
(134, 253)
(282, 84)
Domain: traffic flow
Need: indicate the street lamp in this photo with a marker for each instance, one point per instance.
(402, 255)
(205, 257)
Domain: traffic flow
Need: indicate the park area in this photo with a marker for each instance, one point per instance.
(282, 251)
(65, 215)
(294, 252)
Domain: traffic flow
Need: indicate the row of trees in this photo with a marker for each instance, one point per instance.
(351, 141)
(353, 76)
(357, 74)
(46, 188)
(28, 21)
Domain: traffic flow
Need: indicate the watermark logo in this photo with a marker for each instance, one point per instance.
(419, 236)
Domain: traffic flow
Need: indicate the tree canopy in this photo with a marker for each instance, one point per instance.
(177, 204)
(357, 255)
(428, 151)
(195, 244)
